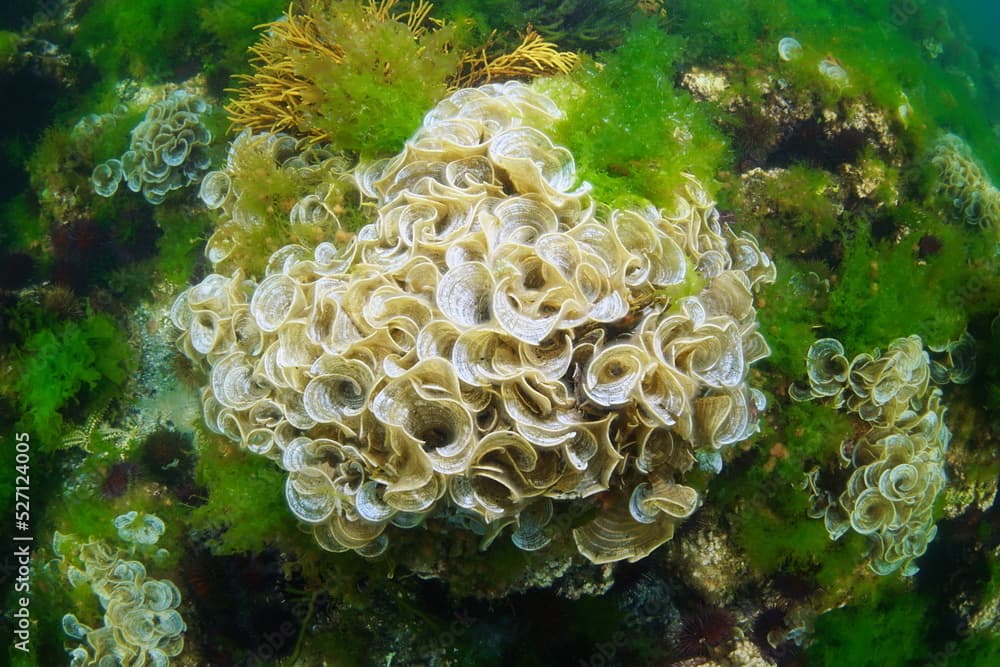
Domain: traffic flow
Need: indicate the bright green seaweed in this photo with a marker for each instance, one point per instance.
(630, 128)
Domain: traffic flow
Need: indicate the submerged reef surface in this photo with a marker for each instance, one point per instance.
(511, 332)
(495, 340)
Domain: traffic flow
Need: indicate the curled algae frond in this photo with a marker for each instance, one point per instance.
(789, 49)
(897, 465)
(139, 528)
(904, 110)
(964, 184)
(106, 177)
(168, 150)
(955, 361)
(487, 347)
(831, 68)
(270, 181)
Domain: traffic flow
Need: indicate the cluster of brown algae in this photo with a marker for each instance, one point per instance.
(141, 623)
(964, 183)
(290, 87)
(897, 465)
(270, 182)
(168, 150)
(493, 341)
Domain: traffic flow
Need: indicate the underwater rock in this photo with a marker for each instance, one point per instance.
(870, 182)
(746, 654)
(712, 564)
(705, 84)
(782, 118)
(861, 123)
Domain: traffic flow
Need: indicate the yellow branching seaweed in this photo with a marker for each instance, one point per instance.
(416, 18)
(534, 57)
(280, 87)
(320, 68)
(275, 91)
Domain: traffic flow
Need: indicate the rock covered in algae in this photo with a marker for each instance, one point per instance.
(494, 342)
(716, 568)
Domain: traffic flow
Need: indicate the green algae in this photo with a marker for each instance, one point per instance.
(981, 649)
(151, 38)
(385, 77)
(179, 250)
(779, 537)
(766, 498)
(156, 39)
(890, 633)
(59, 364)
(788, 317)
(572, 24)
(796, 209)
(630, 129)
(887, 48)
(226, 29)
(23, 226)
(8, 45)
(245, 509)
(372, 112)
(882, 291)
